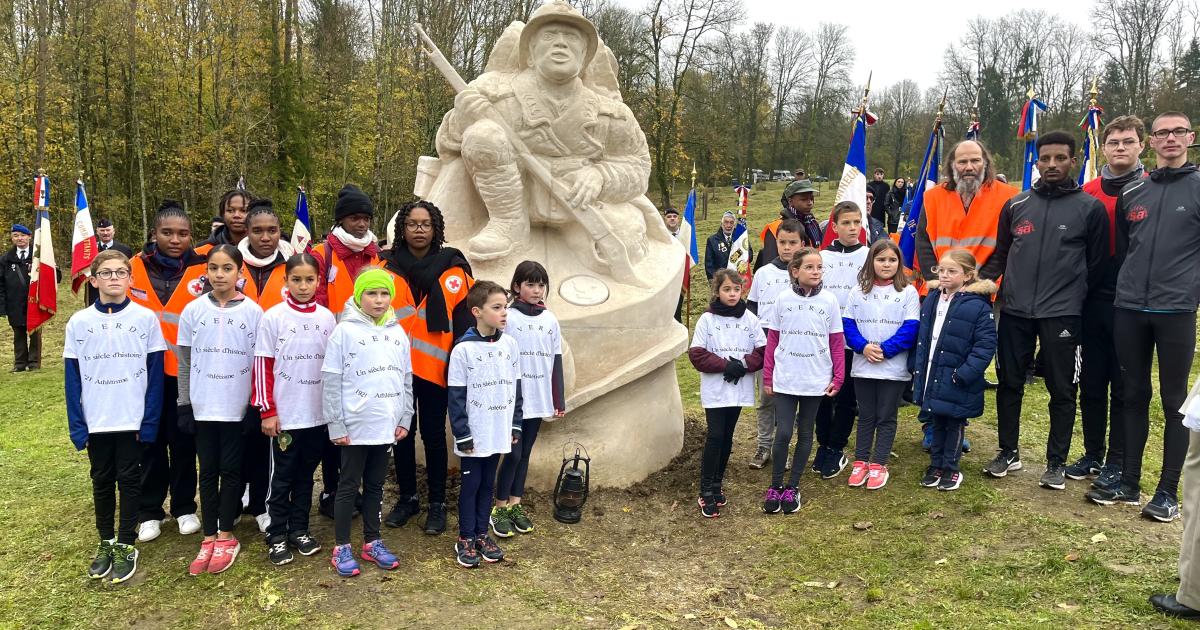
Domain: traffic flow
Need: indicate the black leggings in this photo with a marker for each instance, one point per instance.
(798, 412)
(116, 463)
(514, 466)
(291, 481)
(219, 446)
(835, 418)
(717, 445)
(1099, 383)
(431, 400)
(1138, 336)
(878, 402)
(256, 462)
(366, 464)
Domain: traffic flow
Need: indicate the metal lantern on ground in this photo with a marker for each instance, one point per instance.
(571, 489)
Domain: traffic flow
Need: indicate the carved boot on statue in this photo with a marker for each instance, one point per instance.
(508, 225)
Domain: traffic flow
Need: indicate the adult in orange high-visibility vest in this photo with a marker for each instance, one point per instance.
(232, 209)
(348, 248)
(962, 212)
(439, 278)
(166, 276)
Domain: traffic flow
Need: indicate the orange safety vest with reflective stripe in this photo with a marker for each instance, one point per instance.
(950, 226)
(339, 286)
(431, 350)
(142, 291)
(402, 302)
(272, 293)
(204, 249)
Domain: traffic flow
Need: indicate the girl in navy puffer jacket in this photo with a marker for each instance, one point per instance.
(955, 346)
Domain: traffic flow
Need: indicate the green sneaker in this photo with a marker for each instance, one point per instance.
(501, 520)
(102, 565)
(124, 563)
(520, 519)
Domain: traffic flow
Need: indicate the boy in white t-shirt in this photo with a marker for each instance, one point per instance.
(484, 384)
(113, 351)
(769, 281)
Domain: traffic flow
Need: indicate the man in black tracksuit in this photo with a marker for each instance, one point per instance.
(1052, 243)
(1158, 289)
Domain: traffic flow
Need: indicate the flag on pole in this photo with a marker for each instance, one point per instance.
(743, 196)
(973, 131)
(1091, 125)
(301, 233)
(83, 240)
(43, 275)
(687, 236)
(739, 254)
(241, 183)
(927, 180)
(1027, 130)
(853, 185)
(41, 191)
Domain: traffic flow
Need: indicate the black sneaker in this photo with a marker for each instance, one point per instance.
(835, 463)
(488, 548)
(404, 509)
(819, 458)
(325, 505)
(278, 552)
(1109, 477)
(771, 500)
(932, 477)
(465, 553)
(1083, 468)
(305, 544)
(1163, 507)
(1054, 478)
(124, 565)
(950, 481)
(708, 507)
(520, 519)
(719, 497)
(789, 500)
(1113, 495)
(102, 564)
(1004, 463)
(435, 520)
(501, 522)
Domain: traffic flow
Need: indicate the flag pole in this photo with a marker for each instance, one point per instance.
(687, 299)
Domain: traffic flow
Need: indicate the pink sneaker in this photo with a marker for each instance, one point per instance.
(200, 564)
(858, 474)
(877, 477)
(223, 555)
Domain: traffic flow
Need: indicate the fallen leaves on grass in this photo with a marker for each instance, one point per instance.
(940, 561)
(937, 515)
(674, 505)
(730, 622)
(1099, 538)
(1071, 557)
(815, 584)
(863, 526)
(1068, 607)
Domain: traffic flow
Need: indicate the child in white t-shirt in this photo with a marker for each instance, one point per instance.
(484, 384)
(288, 354)
(728, 343)
(881, 320)
(216, 357)
(769, 281)
(804, 363)
(539, 339)
(367, 398)
(113, 353)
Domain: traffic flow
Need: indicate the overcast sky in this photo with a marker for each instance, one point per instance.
(896, 44)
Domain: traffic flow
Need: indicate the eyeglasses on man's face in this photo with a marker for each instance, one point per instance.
(1178, 132)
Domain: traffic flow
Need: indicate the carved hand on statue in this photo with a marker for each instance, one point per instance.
(472, 105)
(586, 188)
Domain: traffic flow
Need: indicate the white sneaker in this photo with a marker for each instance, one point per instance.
(264, 521)
(246, 497)
(188, 524)
(149, 530)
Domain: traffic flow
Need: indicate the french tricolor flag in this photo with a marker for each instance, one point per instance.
(83, 240)
(43, 274)
(301, 233)
(41, 191)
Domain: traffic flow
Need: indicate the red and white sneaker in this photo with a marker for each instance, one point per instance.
(858, 474)
(877, 476)
(223, 555)
(200, 564)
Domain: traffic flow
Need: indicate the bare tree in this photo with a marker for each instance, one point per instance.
(790, 66)
(1129, 33)
(833, 59)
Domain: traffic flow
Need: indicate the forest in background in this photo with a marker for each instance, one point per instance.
(154, 99)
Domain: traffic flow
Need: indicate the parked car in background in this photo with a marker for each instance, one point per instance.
(781, 176)
(820, 178)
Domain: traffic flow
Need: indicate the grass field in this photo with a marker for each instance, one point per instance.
(996, 553)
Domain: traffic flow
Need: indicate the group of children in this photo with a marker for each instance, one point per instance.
(255, 353)
(832, 330)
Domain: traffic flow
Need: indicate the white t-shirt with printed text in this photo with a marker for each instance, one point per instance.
(296, 341)
(730, 338)
(222, 342)
(111, 349)
(375, 365)
(489, 371)
(878, 315)
(769, 281)
(803, 366)
(539, 339)
(840, 272)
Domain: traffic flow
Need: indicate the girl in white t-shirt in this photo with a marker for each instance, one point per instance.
(804, 362)
(288, 354)
(216, 356)
(728, 344)
(881, 320)
(539, 339)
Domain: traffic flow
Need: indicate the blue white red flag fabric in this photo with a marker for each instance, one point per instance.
(1027, 130)
(927, 180)
(41, 191)
(687, 236)
(301, 233)
(1091, 125)
(43, 275)
(973, 131)
(743, 196)
(853, 185)
(739, 254)
(83, 240)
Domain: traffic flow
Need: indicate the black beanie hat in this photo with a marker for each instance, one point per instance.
(352, 200)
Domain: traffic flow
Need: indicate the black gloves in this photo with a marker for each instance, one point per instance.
(186, 420)
(466, 446)
(734, 371)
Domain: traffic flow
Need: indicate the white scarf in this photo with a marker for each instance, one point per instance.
(354, 244)
(283, 247)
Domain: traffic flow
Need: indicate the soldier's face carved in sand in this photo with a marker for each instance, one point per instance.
(557, 51)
